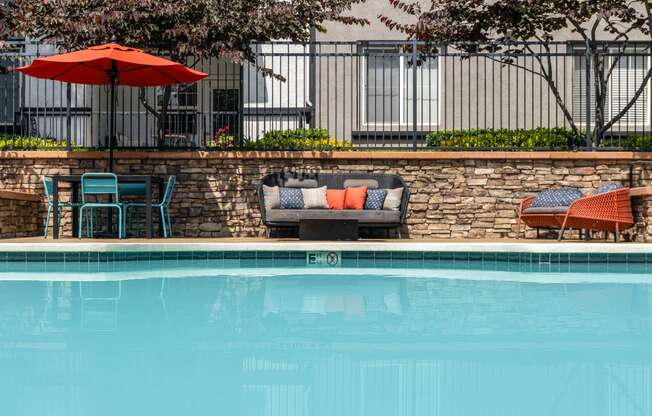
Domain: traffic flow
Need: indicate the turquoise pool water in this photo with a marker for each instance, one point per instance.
(450, 339)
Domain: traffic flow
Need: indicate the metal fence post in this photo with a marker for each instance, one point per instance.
(241, 108)
(68, 117)
(589, 108)
(312, 74)
(414, 94)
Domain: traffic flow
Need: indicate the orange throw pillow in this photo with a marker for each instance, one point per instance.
(335, 198)
(355, 198)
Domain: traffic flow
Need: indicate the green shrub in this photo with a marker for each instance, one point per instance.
(297, 139)
(628, 142)
(554, 138)
(30, 143)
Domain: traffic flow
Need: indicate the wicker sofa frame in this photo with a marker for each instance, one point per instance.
(609, 211)
(367, 218)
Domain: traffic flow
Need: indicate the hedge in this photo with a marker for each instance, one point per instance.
(296, 139)
(27, 142)
(554, 138)
(629, 142)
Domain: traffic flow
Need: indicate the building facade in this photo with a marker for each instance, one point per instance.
(364, 85)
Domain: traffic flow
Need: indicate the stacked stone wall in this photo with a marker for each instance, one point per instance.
(450, 198)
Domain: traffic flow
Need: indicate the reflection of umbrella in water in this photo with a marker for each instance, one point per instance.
(112, 64)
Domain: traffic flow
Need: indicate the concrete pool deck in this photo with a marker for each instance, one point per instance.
(40, 244)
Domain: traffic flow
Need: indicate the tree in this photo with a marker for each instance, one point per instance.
(488, 24)
(178, 29)
(5, 30)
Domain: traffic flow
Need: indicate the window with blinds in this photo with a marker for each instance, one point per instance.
(628, 74)
(388, 87)
(626, 79)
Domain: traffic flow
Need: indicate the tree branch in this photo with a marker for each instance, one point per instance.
(143, 100)
(578, 28)
(595, 26)
(547, 75)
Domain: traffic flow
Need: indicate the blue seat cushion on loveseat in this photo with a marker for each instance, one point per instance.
(559, 197)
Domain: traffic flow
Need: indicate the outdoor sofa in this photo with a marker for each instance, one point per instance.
(276, 218)
(609, 211)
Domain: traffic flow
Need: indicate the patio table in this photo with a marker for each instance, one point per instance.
(75, 181)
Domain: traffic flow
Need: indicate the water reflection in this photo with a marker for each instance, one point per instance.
(323, 345)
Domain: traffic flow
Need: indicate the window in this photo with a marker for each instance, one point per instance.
(181, 96)
(627, 76)
(388, 87)
(225, 99)
(225, 110)
(183, 123)
(182, 115)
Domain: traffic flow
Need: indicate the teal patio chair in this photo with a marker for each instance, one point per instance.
(163, 207)
(100, 184)
(47, 189)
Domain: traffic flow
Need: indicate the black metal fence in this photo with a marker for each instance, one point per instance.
(355, 95)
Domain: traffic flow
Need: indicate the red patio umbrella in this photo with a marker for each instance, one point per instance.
(112, 64)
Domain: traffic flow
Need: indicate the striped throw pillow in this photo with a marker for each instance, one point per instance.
(393, 199)
(271, 197)
(315, 198)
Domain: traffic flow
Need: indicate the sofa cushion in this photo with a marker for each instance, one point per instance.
(393, 199)
(271, 197)
(545, 210)
(335, 198)
(607, 187)
(375, 198)
(357, 183)
(314, 198)
(559, 197)
(362, 216)
(291, 198)
(300, 183)
(355, 197)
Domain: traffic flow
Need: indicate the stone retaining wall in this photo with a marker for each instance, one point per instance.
(19, 215)
(454, 195)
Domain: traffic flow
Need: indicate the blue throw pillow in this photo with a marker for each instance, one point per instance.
(561, 197)
(608, 187)
(290, 198)
(375, 198)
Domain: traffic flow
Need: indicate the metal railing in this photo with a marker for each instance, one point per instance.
(355, 95)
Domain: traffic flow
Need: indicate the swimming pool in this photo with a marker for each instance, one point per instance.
(291, 333)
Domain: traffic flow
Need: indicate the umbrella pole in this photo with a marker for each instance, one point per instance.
(113, 81)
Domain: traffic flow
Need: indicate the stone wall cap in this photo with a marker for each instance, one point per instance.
(20, 196)
(334, 155)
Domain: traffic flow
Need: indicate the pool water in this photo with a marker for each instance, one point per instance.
(310, 343)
